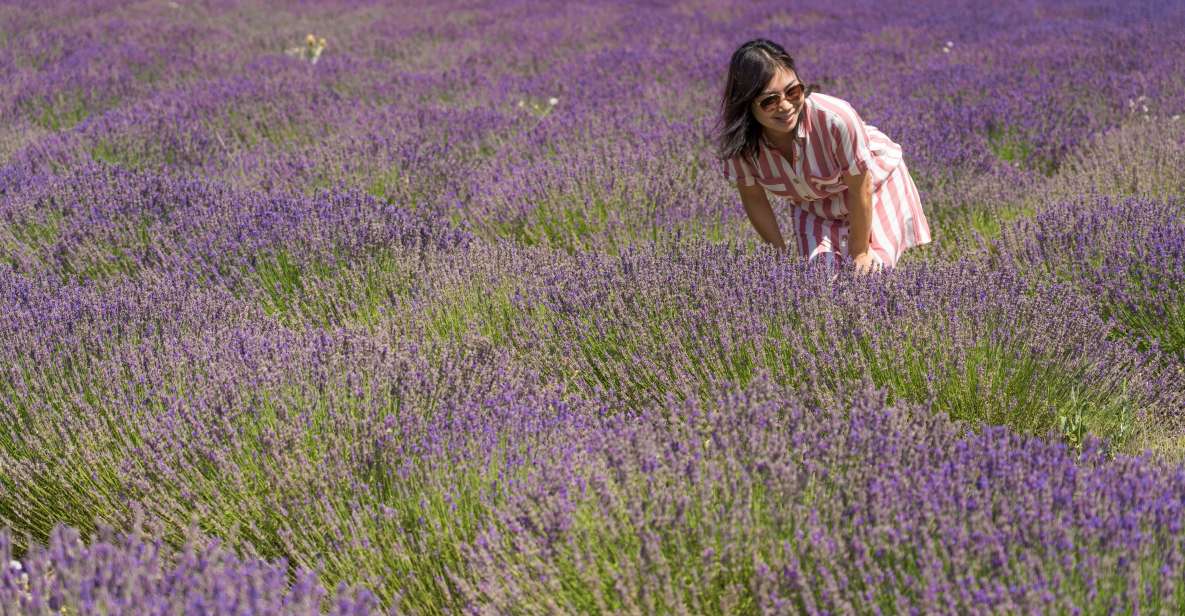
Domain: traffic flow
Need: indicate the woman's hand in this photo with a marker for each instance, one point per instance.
(858, 199)
(864, 263)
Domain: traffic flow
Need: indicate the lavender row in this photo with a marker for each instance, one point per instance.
(134, 574)
(369, 458)
(757, 501)
(983, 343)
(761, 502)
(101, 223)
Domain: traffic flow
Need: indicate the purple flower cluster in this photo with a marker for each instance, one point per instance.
(129, 574)
(461, 317)
(103, 223)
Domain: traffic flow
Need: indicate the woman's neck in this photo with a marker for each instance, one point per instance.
(782, 141)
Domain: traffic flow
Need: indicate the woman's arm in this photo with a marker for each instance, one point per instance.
(858, 198)
(761, 214)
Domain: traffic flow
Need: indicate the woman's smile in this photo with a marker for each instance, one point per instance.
(787, 118)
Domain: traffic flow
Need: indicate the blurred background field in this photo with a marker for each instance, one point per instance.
(362, 307)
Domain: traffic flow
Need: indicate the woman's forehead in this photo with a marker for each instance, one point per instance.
(781, 79)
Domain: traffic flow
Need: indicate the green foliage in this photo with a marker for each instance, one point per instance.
(326, 293)
(992, 384)
(563, 221)
(990, 223)
(30, 235)
(592, 217)
(245, 129)
(487, 311)
(61, 112)
(1146, 320)
(114, 153)
(384, 185)
(1012, 146)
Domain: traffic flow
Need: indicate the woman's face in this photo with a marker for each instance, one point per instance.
(779, 103)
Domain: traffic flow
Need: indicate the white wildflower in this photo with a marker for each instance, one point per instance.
(22, 582)
(553, 101)
(1176, 117)
(311, 50)
(521, 103)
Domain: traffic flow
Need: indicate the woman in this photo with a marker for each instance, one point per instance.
(852, 195)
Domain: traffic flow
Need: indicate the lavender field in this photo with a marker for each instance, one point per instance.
(352, 307)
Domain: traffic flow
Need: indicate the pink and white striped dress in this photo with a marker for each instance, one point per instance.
(832, 140)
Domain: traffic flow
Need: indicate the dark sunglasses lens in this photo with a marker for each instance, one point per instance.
(768, 102)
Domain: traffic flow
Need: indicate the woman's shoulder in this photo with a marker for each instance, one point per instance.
(830, 105)
(832, 110)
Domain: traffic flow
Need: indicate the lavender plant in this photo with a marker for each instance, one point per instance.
(125, 573)
(1127, 253)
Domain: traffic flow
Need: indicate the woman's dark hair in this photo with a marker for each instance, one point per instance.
(752, 66)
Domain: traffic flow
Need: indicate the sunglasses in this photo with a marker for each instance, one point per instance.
(794, 93)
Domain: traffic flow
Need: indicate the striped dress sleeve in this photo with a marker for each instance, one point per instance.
(739, 172)
(850, 140)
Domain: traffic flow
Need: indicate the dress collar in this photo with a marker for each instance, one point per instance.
(804, 120)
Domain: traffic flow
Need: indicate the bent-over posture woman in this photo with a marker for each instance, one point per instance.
(851, 194)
